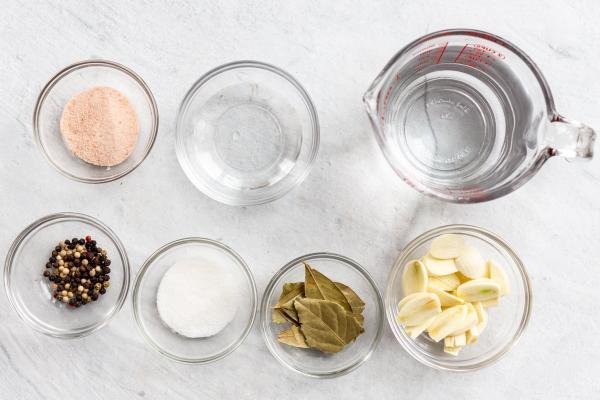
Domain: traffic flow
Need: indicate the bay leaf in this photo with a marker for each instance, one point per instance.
(290, 291)
(326, 325)
(281, 316)
(277, 316)
(318, 286)
(284, 309)
(293, 337)
(355, 302)
(353, 299)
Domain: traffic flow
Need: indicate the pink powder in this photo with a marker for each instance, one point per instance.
(100, 126)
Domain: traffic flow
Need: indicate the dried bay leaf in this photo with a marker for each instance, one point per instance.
(293, 337)
(356, 303)
(318, 286)
(284, 310)
(290, 291)
(353, 299)
(281, 316)
(326, 325)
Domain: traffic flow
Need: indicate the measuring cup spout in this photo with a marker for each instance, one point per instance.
(570, 139)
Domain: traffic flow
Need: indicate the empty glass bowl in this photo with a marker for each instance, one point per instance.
(315, 363)
(247, 133)
(162, 338)
(77, 78)
(506, 321)
(29, 292)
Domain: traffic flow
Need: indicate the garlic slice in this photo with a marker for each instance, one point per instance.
(416, 308)
(438, 266)
(447, 246)
(446, 283)
(497, 274)
(414, 277)
(470, 263)
(482, 289)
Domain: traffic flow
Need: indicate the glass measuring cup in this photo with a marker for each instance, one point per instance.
(466, 116)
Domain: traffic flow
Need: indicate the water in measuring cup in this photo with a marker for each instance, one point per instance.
(459, 125)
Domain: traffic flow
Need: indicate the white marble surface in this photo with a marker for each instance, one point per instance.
(351, 203)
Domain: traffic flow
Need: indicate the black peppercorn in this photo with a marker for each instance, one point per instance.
(47, 274)
(102, 290)
(81, 241)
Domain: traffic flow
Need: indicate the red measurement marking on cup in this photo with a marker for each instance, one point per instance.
(430, 55)
(442, 53)
(478, 55)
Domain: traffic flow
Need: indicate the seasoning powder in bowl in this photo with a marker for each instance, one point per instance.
(100, 126)
(196, 298)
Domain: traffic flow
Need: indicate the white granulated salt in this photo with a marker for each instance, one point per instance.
(197, 298)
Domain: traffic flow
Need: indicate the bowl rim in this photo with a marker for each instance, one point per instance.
(265, 320)
(140, 277)
(494, 240)
(10, 258)
(85, 64)
(216, 194)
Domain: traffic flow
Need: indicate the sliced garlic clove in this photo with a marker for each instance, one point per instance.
(415, 331)
(490, 303)
(446, 299)
(418, 308)
(447, 322)
(460, 340)
(438, 266)
(470, 263)
(497, 274)
(452, 350)
(472, 335)
(447, 246)
(446, 283)
(469, 322)
(449, 341)
(461, 277)
(482, 317)
(414, 277)
(482, 289)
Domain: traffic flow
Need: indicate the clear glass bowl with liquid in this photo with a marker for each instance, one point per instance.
(247, 133)
(466, 116)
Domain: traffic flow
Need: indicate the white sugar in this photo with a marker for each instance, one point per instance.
(197, 298)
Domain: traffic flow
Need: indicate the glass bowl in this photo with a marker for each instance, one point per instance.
(314, 363)
(162, 338)
(506, 322)
(29, 292)
(247, 133)
(74, 79)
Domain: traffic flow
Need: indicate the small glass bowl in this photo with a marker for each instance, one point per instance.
(247, 133)
(506, 322)
(29, 292)
(77, 78)
(314, 363)
(162, 338)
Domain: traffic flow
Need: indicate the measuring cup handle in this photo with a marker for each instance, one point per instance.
(570, 139)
